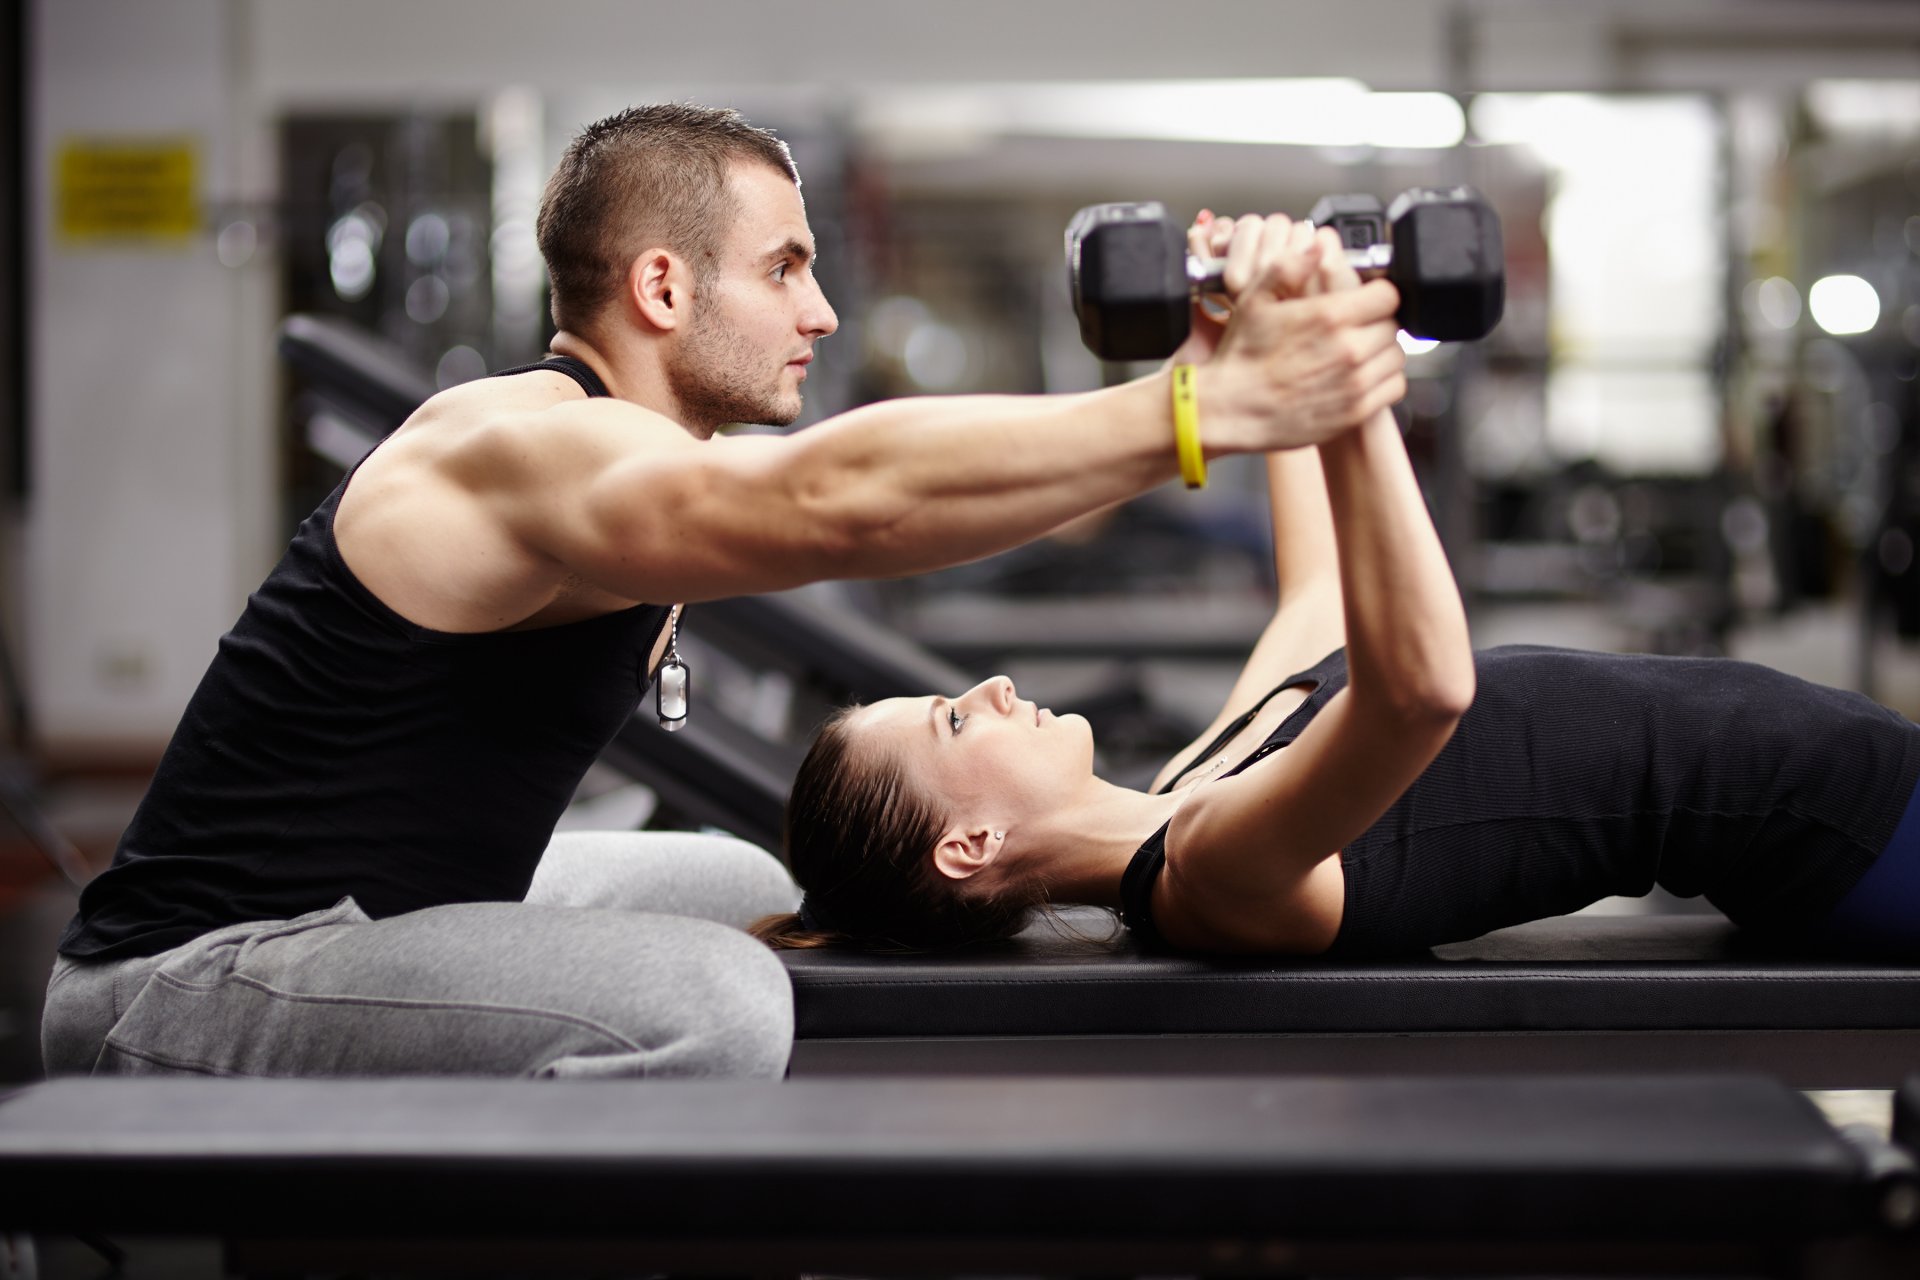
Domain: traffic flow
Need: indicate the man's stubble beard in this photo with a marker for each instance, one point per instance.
(712, 376)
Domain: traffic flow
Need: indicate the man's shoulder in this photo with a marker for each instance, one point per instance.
(485, 434)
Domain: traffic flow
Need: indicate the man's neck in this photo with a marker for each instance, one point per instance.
(630, 376)
(579, 348)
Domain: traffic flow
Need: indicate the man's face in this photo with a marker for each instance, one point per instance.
(758, 312)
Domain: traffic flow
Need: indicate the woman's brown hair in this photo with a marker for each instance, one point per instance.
(860, 840)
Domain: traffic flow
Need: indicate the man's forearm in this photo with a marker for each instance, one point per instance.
(917, 484)
(907, 486)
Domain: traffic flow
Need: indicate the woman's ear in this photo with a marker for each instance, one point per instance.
(963, 853)
(661, 289)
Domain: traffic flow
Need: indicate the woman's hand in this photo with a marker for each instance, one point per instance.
(1209, 238)
(1206, 240)
(1305, 338)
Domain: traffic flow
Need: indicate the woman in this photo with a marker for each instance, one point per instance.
(1371, 785)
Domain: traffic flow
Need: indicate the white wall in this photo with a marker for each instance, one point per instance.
(150, 435)
(423, 50)
(453, 48)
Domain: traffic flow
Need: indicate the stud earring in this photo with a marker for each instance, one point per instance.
(999, 835)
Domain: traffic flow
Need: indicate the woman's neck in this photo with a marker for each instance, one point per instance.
(1084, 848)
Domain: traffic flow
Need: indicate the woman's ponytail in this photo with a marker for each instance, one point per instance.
(788, 932)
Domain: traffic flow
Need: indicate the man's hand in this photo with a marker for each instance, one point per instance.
(1308, 351)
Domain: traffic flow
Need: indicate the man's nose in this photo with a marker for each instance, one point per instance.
(819, 320)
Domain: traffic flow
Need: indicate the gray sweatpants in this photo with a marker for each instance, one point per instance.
(626, 959)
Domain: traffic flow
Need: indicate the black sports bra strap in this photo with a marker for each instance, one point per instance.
(1310, 677)
(1144, 869)
(579, 370)
(1136, 887)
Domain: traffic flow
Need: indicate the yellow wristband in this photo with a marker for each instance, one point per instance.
(1186, 428)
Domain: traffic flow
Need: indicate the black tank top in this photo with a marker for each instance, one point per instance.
(333, 748)
(1575, 776)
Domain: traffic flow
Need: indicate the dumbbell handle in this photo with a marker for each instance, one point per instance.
(1208, 274)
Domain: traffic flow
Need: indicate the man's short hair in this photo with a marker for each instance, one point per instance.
(645, 176)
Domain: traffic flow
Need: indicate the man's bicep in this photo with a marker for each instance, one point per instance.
(669, 521)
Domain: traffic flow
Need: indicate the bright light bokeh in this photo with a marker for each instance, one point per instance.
(1843, 305)
(1885, 108)
(1634, 421)
(1634, 218)
(1638, 270)
(1774, 301)
(1414, 120)
(1310, 112)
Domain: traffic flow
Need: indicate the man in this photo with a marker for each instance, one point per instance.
(327, 874)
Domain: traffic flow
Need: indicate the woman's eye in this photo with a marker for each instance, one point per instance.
(955, 719)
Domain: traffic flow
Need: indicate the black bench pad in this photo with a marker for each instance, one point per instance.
(1574, 973)
(1697, 1158)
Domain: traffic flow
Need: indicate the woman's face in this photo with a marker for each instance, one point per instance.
(987, 755)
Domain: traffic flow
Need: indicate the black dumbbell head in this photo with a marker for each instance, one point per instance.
(1360, 220)
(1127, 271)
(1448, 263)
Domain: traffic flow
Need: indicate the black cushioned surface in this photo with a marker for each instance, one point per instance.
(1573, 973)
(1699, 1158)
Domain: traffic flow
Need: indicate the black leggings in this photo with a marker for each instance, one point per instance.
(1881, 914)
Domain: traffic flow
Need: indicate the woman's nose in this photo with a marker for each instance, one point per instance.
(997, 692)
(1001, 688)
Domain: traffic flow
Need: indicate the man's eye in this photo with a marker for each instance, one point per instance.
(780, 272)
(955, 719)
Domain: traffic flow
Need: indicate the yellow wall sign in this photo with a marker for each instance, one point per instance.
(127, 189)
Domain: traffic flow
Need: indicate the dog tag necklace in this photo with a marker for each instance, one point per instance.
(670, 689)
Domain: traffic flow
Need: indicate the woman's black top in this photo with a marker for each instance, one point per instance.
(333, 748)
(1575, 776)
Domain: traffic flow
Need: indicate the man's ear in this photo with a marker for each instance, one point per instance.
(963, 853)
(660, 288)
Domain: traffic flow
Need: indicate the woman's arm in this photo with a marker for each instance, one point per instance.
(1241, 851)
(1308, 621)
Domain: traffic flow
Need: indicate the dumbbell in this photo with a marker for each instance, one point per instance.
(1133, 281)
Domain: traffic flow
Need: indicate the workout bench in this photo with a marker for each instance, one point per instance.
(1575, 993)
(1521, 1175)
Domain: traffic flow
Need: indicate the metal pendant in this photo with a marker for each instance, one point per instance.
(670, 694)
(670, 688)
